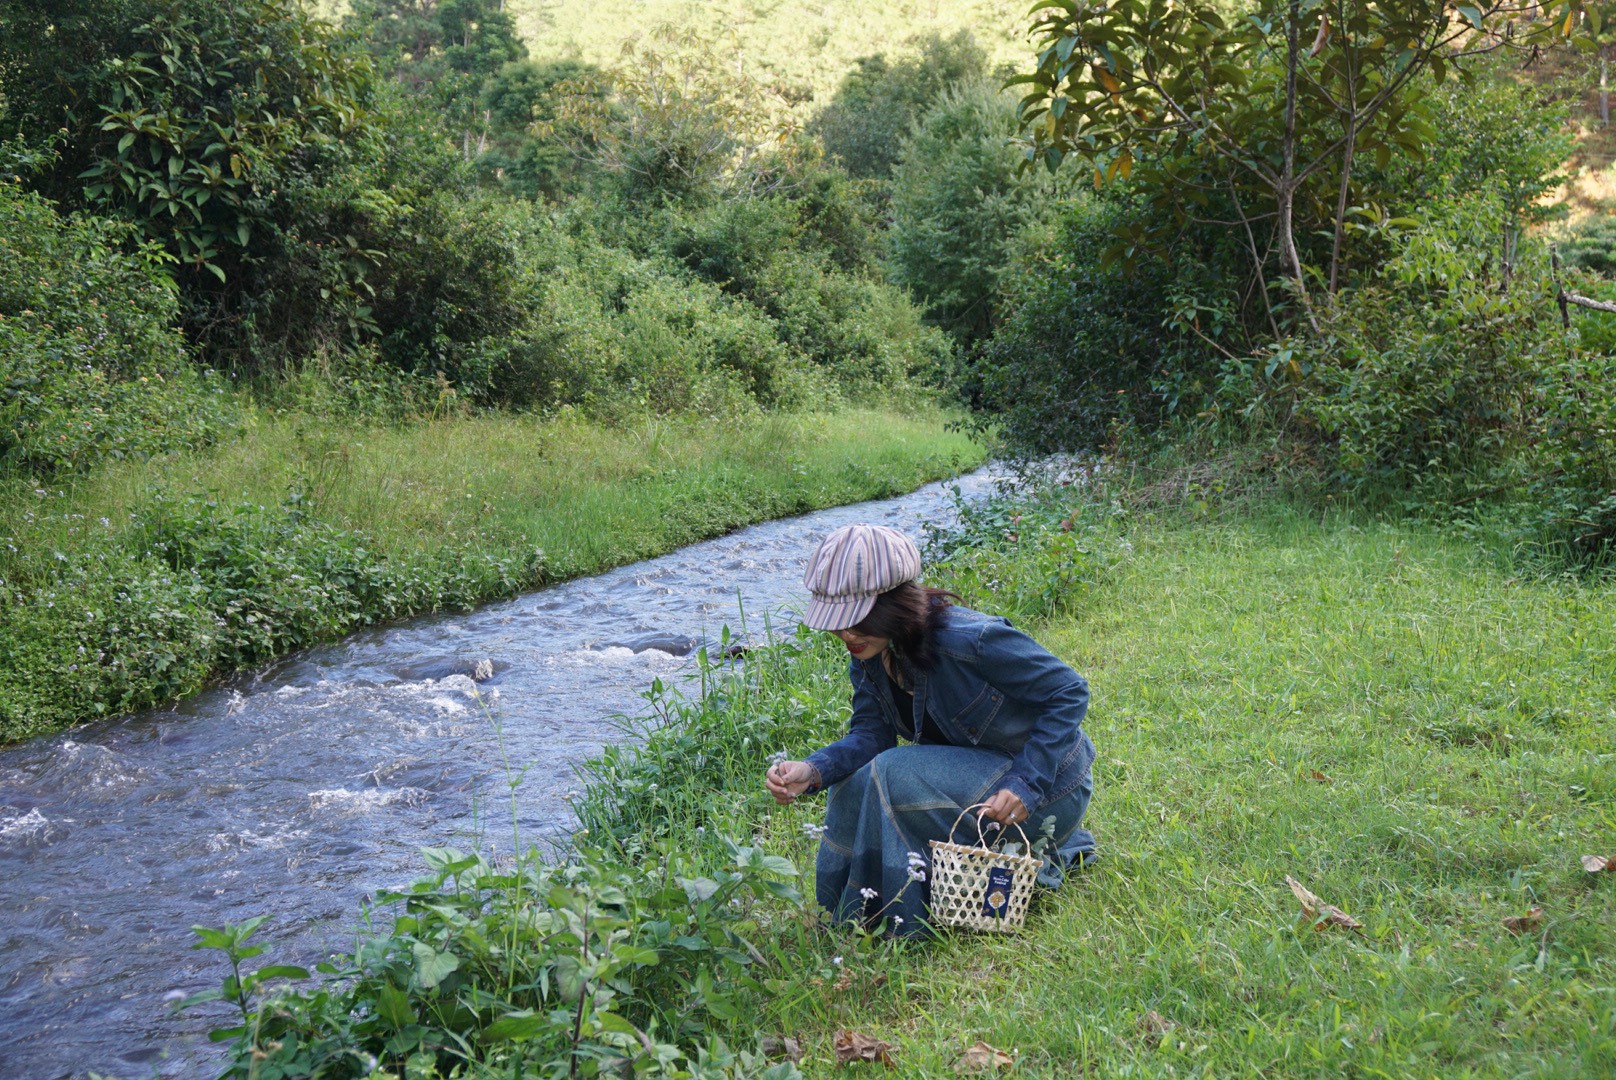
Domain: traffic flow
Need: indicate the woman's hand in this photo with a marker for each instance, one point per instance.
(1005, 808)
(788, 779)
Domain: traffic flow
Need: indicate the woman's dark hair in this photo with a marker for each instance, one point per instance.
(908, 616)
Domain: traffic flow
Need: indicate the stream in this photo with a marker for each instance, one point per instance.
(298, 790)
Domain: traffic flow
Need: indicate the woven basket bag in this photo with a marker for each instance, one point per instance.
(977, 888)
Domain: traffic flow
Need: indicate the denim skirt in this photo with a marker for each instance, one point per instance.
(875, 856)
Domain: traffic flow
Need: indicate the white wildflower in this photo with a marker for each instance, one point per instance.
(778, 756)
(897, 921)
(916, 874)
(916, 859)
(837, 960)
(813, 830)
(868, 894)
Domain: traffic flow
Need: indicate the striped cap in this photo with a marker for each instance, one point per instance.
(850, 568)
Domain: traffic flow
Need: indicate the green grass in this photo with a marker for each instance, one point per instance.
(592, 496)
(127, 588)
(1374, 710)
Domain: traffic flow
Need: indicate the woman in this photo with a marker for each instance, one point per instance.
(992, 717)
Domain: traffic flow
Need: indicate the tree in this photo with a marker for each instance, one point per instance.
(174, 113)
(1258, 114)
(677, 122)
(958, 199)
(447, 51)
(865, 123)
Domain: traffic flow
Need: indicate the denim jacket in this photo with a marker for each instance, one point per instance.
(991, 686)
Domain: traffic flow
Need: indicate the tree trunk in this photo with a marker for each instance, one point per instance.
(1341, 205)
(1285, 190)
(1604, 88)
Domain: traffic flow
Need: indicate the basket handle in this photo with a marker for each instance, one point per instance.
(981, 837)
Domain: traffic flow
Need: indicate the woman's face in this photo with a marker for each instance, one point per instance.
(862, 646)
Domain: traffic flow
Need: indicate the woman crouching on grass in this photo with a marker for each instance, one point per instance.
(990, 715)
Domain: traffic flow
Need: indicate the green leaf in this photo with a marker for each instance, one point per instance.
(214, 269)
(699, 889)
(393, 1005)
(431, 966)
(517, 1026)
(126, 142)
(282, 971)
(1471, 14)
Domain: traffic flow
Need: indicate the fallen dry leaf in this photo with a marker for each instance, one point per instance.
(1595, 863)
(983, 1058)
(851, 1046)
(775, 1047)
(1318, 777)
(1519, 924)
(1154, 1027)
(1321, 913)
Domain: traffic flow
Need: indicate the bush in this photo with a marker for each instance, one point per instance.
(91, 366)
(865, 123)
(1085, 346)
(608, 967)
(1417, 397)
(1592, 246)
(959, 196)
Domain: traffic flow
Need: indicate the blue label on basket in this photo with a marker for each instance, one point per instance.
(996, 897)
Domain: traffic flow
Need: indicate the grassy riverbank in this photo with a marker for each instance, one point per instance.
(1418, 736)
(139, 583)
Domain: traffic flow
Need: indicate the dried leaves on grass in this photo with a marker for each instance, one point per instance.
(1154, 1027)
(1596, 864)
(776, 1047)
(852, 1046)
(981, 1057)
(1520, 924)
(1323, 915)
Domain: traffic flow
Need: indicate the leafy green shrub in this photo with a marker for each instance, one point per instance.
(91, 366)
(593, 967)
(849, 333)
(865, 123)
(195, 106)
(1569, 500)
(959, 195)
(1592, 245)
(1085, 345)
(1419, 396)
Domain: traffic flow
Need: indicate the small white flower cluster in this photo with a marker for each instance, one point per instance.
(813, 830)
(778, 756)
(917, 866)
(868, 894)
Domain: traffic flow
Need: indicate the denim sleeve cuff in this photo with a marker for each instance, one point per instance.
(820, 767)
(1018, 787)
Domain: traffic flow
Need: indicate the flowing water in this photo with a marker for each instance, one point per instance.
(300, 789)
